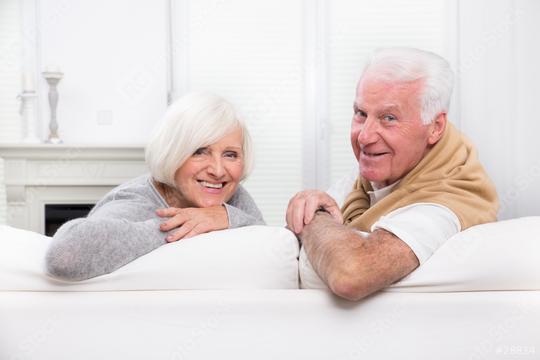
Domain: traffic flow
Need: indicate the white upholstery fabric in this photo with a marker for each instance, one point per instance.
(275, 324)
(502, 255)
(268, 324)
(254, 257)
(496, 256)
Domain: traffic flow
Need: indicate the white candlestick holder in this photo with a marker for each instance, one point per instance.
(28, 115)
(53, 78)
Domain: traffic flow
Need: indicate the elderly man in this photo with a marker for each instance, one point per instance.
(419, 181)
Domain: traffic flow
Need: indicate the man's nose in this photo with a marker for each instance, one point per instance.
(369, 131)
(215, 167)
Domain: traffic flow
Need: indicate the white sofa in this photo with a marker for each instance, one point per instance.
(235, 294)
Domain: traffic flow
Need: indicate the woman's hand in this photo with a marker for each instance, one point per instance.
(192, 221)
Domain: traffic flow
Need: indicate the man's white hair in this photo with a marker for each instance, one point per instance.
(193, 121)
(401, 64)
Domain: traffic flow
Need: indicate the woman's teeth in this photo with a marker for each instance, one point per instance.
(210, 185)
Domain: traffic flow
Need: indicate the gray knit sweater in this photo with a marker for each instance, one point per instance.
(122, 227)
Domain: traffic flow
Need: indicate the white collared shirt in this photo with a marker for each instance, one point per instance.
(424, 227)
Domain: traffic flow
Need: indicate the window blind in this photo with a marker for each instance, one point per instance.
(10, 71)
(356, 27)
(255, 54)
(251, 53)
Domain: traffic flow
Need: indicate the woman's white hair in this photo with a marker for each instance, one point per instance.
(193, 121)
(401, 64)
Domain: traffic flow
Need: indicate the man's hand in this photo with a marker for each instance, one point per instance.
(192, 221)
(303, 205)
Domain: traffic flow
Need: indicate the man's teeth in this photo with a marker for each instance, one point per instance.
(373, 154)
(210, 185)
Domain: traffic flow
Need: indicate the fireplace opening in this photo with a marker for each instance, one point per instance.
(58, 214)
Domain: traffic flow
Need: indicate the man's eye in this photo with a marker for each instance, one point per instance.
(359, 113)
(389, 118)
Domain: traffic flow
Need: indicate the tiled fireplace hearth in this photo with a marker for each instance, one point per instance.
(60, 180)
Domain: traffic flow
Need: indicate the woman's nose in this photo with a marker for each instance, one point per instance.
(216, 168)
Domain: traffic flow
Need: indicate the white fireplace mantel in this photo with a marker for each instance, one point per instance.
(40, 174)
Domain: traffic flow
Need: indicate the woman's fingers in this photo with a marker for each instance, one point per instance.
(168, 212)
(189, 229)
(175, 221)
(196, 230)
(181, 232)
(194, 221)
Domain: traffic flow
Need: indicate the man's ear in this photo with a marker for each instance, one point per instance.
(436, 129)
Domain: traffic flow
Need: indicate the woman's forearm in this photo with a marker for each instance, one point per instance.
(88, 247)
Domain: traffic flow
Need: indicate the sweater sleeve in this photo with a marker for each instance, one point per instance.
(242, 210)
(114, 234)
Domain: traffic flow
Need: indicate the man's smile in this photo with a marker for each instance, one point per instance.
(374, 154)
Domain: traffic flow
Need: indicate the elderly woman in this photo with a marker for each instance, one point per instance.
(196, 159)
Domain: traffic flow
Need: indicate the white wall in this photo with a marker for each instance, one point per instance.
(498, 91)
(287, 65)
(251, 52)
(113, 55)
(355, 28)
(10, 70)
(292, 66)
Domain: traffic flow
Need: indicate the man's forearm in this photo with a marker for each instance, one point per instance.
(351, 265)
(324, 242)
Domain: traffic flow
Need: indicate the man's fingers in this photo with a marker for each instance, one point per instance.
(298, 215)
(327, 203)
(336, 213)
(302, 207)
(288, 214)
(312, 204)
(291, 208)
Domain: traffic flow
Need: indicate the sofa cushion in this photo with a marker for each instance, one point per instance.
(502, 255)
(249, 257)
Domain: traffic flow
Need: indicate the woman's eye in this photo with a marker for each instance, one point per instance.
(200, 151)
(231, 154)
